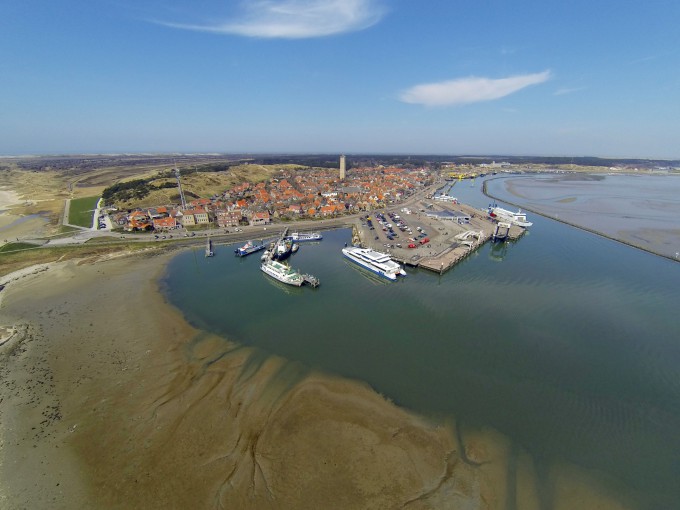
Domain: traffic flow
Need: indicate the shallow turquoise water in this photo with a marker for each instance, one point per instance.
(566, 342)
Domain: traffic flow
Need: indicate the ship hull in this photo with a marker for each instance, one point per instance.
(270, 271)
(392, 276)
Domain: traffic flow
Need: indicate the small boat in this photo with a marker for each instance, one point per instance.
(209, 248)
(301, 237)
(249, 247)
(282, 272)
(296, 247)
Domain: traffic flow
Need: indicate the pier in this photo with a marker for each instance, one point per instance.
(311, 280)
(454, 231)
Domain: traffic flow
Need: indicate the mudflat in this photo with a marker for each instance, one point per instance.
(109, 399)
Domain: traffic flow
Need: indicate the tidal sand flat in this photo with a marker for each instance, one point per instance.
(640, 210)
(109, 399)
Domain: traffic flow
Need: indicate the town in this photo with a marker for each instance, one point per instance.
(294, 194)
(439, 231)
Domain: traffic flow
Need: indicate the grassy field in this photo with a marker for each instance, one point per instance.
(9, 247)
(82, 210)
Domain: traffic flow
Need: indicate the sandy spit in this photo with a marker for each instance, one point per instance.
(109, 399)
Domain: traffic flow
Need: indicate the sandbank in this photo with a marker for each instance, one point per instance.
(601, 215)
(110, 399)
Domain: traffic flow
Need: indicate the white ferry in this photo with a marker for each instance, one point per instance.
(516, 218)
(282, 272)
(375, 261)
(249, 247)
(300, 237)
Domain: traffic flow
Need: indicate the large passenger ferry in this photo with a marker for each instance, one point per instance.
(282, 272)
(516, 218)
(375, 261)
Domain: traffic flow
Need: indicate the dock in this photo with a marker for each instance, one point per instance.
(454, 231)
(311, 280)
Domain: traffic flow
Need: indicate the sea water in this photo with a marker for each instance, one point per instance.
(566, 342)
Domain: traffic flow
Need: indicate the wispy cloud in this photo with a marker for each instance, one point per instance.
(469, 90)
(566, 90)
(295, 19)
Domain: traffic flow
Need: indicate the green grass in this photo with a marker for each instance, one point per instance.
(13, 260)
(16, 246)
(82, 210)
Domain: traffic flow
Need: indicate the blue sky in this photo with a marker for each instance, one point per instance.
(573, 78)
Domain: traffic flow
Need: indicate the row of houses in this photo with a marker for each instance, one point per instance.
(291, 194)
(164, 219)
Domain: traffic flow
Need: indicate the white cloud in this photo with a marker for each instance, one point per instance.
(296, 19)
(469, 90)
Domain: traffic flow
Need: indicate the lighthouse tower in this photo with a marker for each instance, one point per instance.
(342, 167)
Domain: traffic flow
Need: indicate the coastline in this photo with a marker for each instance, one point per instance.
(573, 224)
(103, 409)
(111, 400)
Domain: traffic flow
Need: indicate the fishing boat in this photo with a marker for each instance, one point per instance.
(282, 249)
(249, 247)
(375, 261)
(516, 218)
(299, 237)
(282, 272)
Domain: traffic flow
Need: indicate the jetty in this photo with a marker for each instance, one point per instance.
(501, 232)
(438, 237)
(311, 280)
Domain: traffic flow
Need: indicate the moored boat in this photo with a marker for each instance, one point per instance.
(282, 249)
(249, 247)
(375, 261)
(282, 272)
(299, 237)
(516, 218)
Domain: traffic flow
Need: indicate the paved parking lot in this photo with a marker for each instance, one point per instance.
(412, 225)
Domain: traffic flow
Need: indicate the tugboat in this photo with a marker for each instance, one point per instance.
(282, 249)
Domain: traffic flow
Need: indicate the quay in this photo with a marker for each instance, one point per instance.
(453, 231)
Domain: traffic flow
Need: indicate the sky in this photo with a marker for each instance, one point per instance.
(459, 77)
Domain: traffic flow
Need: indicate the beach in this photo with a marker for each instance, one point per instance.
(14, 226)
(110, 399)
